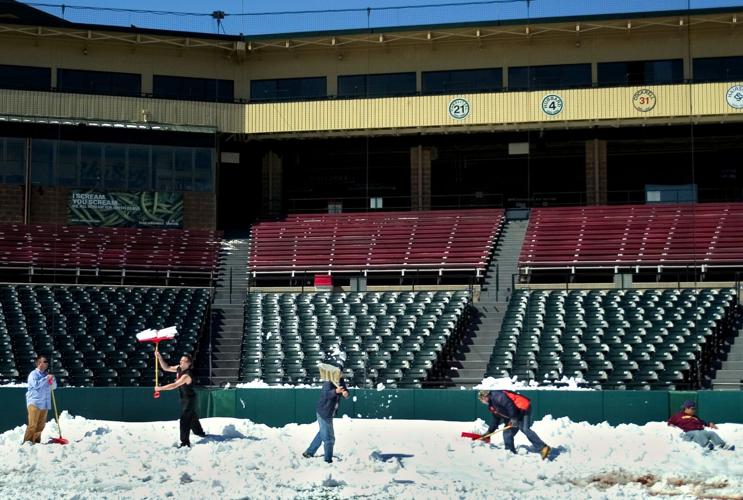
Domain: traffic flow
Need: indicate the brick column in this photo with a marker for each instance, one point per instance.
(49, 205)
(199, 211)
(11, 204)
(420, 177)
(596, 181)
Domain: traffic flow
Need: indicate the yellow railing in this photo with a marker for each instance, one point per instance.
(706, 100)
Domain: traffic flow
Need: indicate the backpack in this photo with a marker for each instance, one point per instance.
(521, 402)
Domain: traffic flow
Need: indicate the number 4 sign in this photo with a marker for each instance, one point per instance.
(552, 104)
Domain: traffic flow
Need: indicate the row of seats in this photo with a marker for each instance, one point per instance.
(376, 241)
(399, 339)
(617, 338)
(89, 332)
(82, 247)
(652, 235)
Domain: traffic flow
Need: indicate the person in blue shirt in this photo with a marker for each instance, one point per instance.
(38, 399)
(327, 405)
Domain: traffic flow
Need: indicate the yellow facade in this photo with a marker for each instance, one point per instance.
(416, 51)
(580, 107)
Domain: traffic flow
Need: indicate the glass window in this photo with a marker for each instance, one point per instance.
(99, 82)
(139, 168)
(558, 76)
(91, 165)
(203, 168)
(114, 166)
(25, 77)
(464, 80)
(162, 164)
(383, 85)
(287, 89)
(67, 163)
(640, 72)
(183, 172)
(718, 69)
(42, 162)
(12, 161)
(193, 89)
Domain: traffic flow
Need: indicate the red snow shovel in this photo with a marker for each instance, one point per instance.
(60, 439)
(480, 437)
(157, 336)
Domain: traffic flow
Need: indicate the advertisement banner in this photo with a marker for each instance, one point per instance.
(126, 209)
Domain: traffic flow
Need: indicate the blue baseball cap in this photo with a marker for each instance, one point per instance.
(688, 404)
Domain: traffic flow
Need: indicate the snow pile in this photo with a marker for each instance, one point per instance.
(375, 459)
(514, 384)
(260, 384)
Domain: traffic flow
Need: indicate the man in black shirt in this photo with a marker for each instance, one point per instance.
(184, 384)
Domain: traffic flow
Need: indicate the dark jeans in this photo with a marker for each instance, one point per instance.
(326, 436)
(189, 421)
(523, 425)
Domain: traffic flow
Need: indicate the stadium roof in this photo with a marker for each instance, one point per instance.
(348, 21)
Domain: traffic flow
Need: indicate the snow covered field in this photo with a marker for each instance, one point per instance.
(376, 459)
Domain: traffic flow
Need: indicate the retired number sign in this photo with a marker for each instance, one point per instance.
(459, 108)
(552, 104)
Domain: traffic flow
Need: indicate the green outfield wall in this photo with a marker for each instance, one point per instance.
(278, 407)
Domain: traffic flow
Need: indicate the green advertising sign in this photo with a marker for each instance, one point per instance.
(126, 209)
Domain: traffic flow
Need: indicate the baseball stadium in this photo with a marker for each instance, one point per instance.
(426, 220)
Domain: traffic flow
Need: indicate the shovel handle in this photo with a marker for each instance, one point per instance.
(494, 432)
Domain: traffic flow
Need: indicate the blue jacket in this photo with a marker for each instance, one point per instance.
(502, 407)
(39, 391)
(329, 400)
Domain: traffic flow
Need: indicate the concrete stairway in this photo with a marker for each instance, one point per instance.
(221, 364)
(472, 359)
(730, 376)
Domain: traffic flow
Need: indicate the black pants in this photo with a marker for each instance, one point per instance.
(189, 421)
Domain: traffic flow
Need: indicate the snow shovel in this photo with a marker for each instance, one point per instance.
(486, 437)
(60, 439)
(157, 336)
(330, 373)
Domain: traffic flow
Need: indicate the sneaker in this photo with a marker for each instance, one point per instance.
(328, 461)
(184, 445)
(728, 447)
(545, 451)
(306, 455)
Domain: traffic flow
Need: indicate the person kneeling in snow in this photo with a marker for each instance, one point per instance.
(514, 409)
(693, 428)
(184, 384)
(327, 405)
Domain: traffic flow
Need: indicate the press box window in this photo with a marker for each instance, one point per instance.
(288, 89)
(99, 82)
(383, 85)
(462, 81)
(614, 74)
(718, 69)
(558, 76)
(193, 89)
(25, 77)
